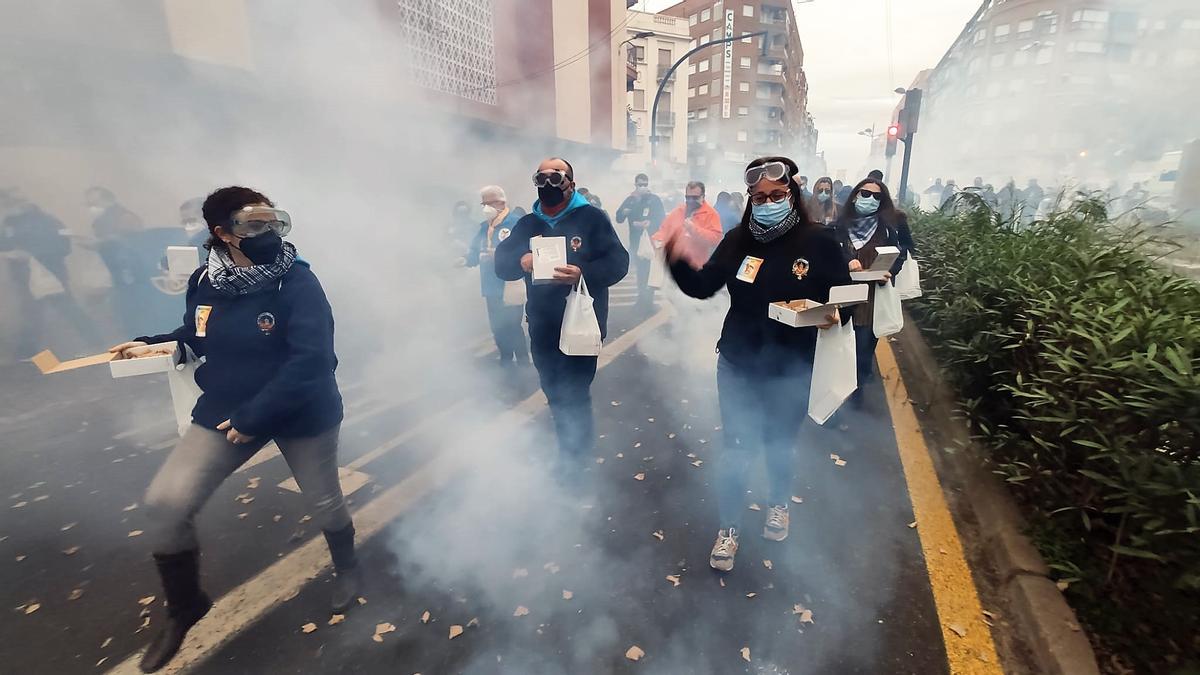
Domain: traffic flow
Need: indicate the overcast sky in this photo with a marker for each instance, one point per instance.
(846, 58)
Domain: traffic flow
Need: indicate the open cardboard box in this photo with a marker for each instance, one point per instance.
(48, 363)
(883, 263)
(548, 253)
(150, 359)
(801, 313)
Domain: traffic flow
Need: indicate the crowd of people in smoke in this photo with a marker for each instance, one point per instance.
(258, 322)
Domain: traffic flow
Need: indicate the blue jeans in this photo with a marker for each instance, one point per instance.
(760, 415)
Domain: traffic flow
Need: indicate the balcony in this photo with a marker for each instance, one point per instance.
(662, 71)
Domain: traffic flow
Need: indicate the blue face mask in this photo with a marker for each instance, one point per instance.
(866, 205)
(823, 196)
(771, 213)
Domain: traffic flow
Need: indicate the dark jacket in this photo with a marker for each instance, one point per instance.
(638, 208)
(750, 339)
(479, 255)
(40, 235)
(269, 359)
(599, 254)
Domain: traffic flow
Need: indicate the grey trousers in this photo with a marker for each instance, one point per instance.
(203, 459)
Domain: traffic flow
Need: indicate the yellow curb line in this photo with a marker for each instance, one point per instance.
(954, 591)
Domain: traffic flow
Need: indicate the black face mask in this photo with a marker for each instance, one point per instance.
(263, 249)
(551, 196)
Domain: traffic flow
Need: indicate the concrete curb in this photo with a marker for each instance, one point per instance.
(1046, 622)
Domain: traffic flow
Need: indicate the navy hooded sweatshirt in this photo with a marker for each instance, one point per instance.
(592, 246)
(269, 361)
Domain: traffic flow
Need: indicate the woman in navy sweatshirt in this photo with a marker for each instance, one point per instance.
(765, 367)
(259, 318)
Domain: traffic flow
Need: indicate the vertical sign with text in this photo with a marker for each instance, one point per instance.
(727, 71)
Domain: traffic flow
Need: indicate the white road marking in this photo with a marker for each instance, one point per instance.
(243, 606)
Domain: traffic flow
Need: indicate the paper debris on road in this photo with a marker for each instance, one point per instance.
(797, 500)
(840, 462)
(66, 527)
(639, 476)
(670, 435)
(746, 654)
(755, 507)
(722, 580)
(308, 627)
(75, 594)
(71, 551)
(620, 455)
(658, 534)
(130, 507)
(751, 595)
(698, 463)
(551, 567)
(520, 573)
(136, 533)
(145, 602)
(106, 643)
(425, 617)
(616, 403)
(804, 614)
(674, 579)
(958, 629)
(455, 631)
(599, 460)
(473, 622)
(634, 653)
(912, 525)
(382, 628)
(362, 601)
(768, 564)
(32, 607)
(336, 619)
(567, 595)
(521, 611)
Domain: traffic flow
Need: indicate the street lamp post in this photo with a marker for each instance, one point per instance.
(667, 78)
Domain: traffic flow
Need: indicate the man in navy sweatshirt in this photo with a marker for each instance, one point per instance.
(593, 252)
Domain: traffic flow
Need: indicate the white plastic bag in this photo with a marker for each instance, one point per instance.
(184, 391)
(580, 334)
(834, 375)
(514, 293)
(888, 318)
(645, 249)
(908, 281)
(658, 269)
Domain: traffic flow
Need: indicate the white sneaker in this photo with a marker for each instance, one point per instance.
(724, 550)
(776, 528)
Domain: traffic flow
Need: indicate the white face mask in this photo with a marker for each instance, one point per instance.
(490, 212)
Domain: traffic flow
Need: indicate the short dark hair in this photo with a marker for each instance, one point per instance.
(876, 174)
(219, 207)
(804, 178)
(641, 177)
(570, 169)
(695, 184)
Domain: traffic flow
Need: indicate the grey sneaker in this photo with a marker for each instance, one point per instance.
(776, 528)
(724, 550)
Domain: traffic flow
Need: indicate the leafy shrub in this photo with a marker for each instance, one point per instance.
(1078, 360)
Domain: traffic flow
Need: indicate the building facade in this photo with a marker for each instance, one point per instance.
(1062, 90)
(747, 98)
(652, 44)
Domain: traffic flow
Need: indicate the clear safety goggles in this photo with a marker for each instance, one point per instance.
(252, 221)
(776, 171)
(553, 178)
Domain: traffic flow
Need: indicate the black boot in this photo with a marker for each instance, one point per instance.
(186, 604)
(347, 580)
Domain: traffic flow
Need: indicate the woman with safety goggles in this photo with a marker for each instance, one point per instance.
(764, 368)
(260, 319)
(869, 220)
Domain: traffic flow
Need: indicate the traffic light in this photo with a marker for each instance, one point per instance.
(893, 135)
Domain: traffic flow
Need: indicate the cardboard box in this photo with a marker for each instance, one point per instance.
(48, 363)
(882, 264)
(182, 261)
(147, 365)
(548, 253)
(801, 313)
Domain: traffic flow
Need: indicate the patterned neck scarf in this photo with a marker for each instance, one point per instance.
(766, 235)
(229, 279)
(862, 229)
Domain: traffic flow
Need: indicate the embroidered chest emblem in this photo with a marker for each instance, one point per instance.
(266, 323)
(576, 244)
(800, 268)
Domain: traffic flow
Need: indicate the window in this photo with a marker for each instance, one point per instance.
(704, 66)
(743, 86)
(1025, 26)
(701, 138)
(718, 33)
(705, 14)
(743, 136)
(692, 69)
(692, 44)
(743, 111)
(980, 35)
(691, 92)
(639, 54)
(744, 62)
(702, 114)
(692, 20)
(1089, 19)
(1045, 55)
(716, 62)
(1048, 22)
(1002, 32)
(747, 10)
(974, 66)
(691, 114)
(702, 90)
(1021, 57)
(1084, 47)
(998, 60)
(747, 41)
(664, 58)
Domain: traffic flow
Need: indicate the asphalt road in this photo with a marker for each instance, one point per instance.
(541, 577)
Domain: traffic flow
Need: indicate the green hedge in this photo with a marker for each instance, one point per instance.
(1078, 361)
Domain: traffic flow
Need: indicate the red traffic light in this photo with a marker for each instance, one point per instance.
(893, 131)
